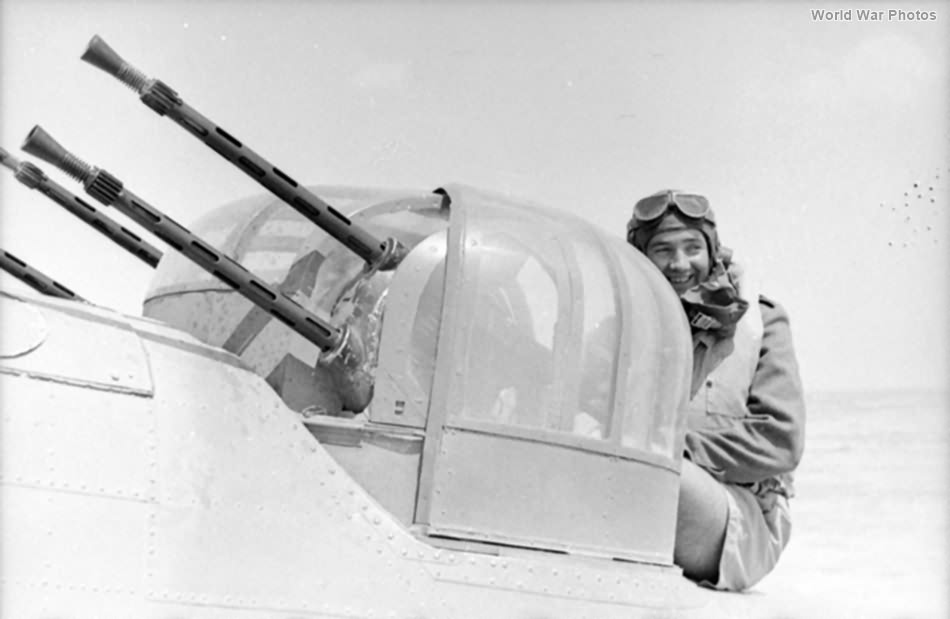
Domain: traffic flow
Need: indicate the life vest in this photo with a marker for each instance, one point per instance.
(725, 389)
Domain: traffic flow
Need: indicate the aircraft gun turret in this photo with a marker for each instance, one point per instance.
(521, 455)
(379, 255)
(343, 352)
(34, 178)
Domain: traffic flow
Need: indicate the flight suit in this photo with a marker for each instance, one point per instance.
(746, 428)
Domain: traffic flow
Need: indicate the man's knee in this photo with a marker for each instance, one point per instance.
(700, 523)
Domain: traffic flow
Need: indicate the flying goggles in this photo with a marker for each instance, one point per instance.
(653, 207)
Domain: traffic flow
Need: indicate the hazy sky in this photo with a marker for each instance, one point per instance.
(808, 137)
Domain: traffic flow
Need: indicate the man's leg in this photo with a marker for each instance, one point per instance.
(700, 524)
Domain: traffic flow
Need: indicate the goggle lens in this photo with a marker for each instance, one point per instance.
(653, 207)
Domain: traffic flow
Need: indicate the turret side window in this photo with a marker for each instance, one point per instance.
(543, 415)
(565, 331)
(504, 358)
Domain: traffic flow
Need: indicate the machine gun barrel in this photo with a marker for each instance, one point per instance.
(34, 278)
(109, 190)
(34, 178)
(379, 255)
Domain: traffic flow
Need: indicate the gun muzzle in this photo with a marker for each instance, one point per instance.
(379, 255)
(338, 348)
(34, 178)
(99, 54)
(34, 278)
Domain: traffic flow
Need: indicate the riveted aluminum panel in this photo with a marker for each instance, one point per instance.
(56, 542)
(566, 578)
(533, 494)
(60, 436)
(84, 345)
(386, 466)
(254, 513)
(62, 429)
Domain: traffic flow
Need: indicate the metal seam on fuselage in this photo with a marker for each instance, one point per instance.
(49, 486)
(75, 382)
(199, 349)
(196, 348)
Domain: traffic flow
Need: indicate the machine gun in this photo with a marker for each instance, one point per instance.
(35, 279)
(34, 178)
(344, 355)
(379, 255)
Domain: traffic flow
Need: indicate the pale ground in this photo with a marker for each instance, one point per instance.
(870, 535)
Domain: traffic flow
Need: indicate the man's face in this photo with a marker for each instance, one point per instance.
(682, 256)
